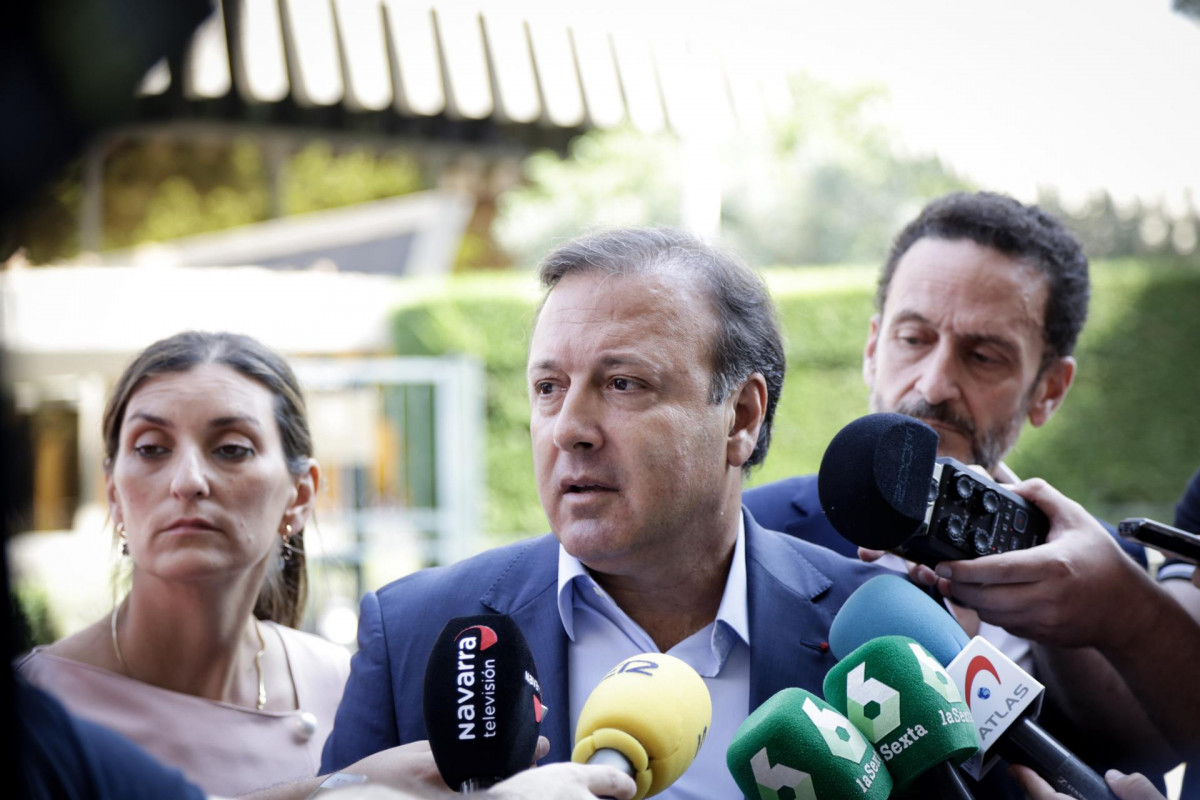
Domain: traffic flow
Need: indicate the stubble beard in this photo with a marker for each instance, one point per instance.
(988, 448)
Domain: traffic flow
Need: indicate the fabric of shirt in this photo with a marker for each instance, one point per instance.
(225, 749)
(66, 758)
(601, 635)
(1187, 518)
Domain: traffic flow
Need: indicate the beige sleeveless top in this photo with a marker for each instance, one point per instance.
(225, 749)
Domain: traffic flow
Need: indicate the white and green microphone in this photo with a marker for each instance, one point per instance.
(909, 708)
(796, 741)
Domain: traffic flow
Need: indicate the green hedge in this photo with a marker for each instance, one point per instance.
(1125, 441)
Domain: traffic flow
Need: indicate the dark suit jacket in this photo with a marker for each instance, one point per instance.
(792, 506)
(794, 589)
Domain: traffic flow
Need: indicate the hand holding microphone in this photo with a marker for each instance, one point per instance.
(1125, 787)
(1078, 590)
(565, 782)
(648, 718)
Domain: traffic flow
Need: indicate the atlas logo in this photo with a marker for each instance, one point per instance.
(977, 665)
(771, 779)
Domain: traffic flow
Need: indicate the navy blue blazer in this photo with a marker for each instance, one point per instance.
(794, 589)
(792, 506)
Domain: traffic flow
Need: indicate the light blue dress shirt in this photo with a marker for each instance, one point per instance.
(601, 635)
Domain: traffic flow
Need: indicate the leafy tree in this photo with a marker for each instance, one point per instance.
(609, 178)
(822, 185)
(158, 189)
(1137, 228)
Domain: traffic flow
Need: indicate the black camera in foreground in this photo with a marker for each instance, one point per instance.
(882, 486)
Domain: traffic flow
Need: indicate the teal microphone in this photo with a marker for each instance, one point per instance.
(906, 704)
(798, 742)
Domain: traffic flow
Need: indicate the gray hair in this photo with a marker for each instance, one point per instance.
(748, 338)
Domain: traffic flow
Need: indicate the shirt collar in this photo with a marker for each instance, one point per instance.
(573, 579)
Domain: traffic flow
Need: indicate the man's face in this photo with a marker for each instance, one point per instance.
(630, 456)
(959, 346)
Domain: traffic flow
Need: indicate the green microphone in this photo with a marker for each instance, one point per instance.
(903, 701)
(797, 741)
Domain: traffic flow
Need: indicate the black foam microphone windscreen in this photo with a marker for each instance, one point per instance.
(483, 703)
(875, 479)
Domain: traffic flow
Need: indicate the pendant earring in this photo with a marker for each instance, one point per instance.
(124, 539)
(286, 553)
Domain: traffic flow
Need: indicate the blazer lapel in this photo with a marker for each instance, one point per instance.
(527, 590)
(789, 627)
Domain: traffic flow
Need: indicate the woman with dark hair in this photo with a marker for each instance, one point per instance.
(210, 481)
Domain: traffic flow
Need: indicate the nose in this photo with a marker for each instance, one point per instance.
(190, 478)
(577, 424)
(939, 379)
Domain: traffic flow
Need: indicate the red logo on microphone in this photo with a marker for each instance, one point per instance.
(487, 636)
(978, 664)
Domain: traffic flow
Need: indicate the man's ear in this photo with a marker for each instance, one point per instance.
(749, 410)
(868, 365)
(1051, 390)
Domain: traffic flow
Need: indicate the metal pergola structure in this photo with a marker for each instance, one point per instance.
(446, 79)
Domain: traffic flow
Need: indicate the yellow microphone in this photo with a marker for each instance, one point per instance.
(647, 717)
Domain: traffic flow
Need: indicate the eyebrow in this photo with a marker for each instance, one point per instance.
(216, 422)
(607, 362)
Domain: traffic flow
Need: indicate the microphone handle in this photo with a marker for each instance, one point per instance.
(1027, 743)
(612, 758)
(942, 780)
(946, 781)
(477, 785)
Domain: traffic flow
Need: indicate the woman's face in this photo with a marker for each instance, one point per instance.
(200, 481)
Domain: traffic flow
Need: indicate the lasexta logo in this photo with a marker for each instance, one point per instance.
(772, 779)
(872, 705)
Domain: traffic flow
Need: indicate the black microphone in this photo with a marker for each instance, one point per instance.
(1002, 697)
(882, 486)
(483, 703)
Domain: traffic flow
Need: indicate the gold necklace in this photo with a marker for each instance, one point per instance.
(260, 702)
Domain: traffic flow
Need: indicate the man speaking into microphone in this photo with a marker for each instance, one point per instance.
(654, 370)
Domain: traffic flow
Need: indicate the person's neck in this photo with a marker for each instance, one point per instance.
(672, 598)
(198, 639)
